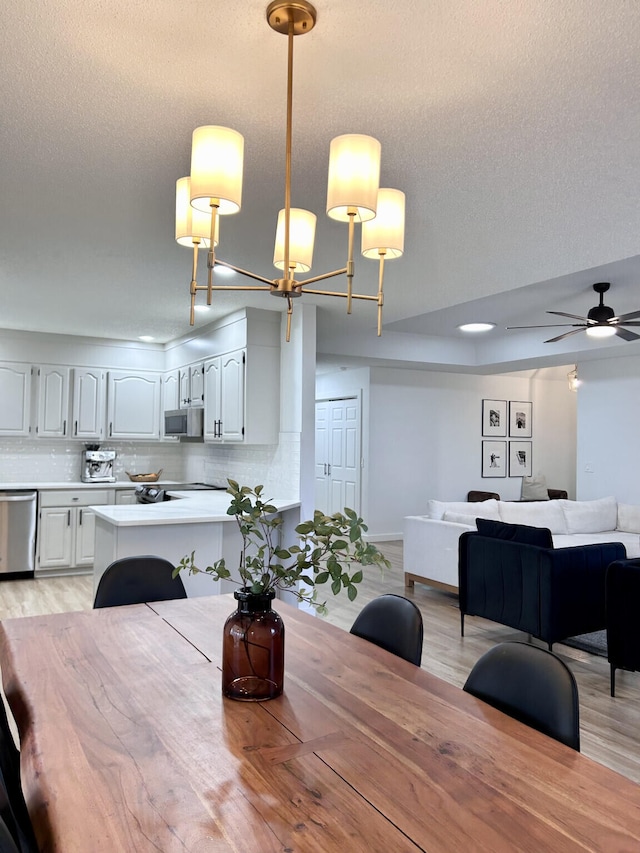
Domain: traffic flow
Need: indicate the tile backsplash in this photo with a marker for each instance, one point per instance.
(41, 461)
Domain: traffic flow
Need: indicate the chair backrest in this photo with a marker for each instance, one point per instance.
(532, 685)
(14, 814)
(394, 623)
(136, 580)
(622, 592)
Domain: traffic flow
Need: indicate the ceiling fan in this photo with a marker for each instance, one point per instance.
(600, 322)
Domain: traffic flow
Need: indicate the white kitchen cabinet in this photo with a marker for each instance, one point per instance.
(191, 380)
(125, 496)
(88, 403)
(133, 405)
(53, 401)
(15, 393)
(171, 391)
(242, 396)
(66, 529)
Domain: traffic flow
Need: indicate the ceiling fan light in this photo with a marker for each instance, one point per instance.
(217, 156)
(354, 177)
(601, 331)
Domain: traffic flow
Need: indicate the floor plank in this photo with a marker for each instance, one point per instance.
(609, 727)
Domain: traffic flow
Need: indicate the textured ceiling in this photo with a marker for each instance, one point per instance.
(512, 127)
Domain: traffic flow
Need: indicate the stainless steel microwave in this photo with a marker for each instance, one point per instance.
(186, 423)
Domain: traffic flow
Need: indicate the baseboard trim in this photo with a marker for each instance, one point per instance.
(383, 537)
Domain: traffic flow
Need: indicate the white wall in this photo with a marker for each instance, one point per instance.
(425, 437)
(607, 439)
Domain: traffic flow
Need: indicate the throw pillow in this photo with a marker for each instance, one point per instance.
(590, 516)
(522, 533)
(534, 514)
(534, 488)
(485, 509)
(629, 518)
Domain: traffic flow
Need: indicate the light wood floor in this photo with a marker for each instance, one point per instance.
(610, 728)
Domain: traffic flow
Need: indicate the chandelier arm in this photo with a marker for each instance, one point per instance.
(229, 266)
(236, 287)
(343, 295)
(315, 278)
(380, 291)
(289, 313)
(350, 264)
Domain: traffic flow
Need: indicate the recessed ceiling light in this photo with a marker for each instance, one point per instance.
(146, 338)
(476, 327)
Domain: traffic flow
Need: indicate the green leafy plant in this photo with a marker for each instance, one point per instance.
(330, 550)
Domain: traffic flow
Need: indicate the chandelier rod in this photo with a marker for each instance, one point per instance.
(289, 134)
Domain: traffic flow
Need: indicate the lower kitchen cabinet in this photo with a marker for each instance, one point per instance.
(66, 530)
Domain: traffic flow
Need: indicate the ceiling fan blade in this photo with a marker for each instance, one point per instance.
(631, 316)
(565, 335)
(548, 326)
(631, 323)
(626, 335)
(573, 316)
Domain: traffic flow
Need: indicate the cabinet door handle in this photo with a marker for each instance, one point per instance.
(68, 518)
(325, 469)
(80, 518)
(329, 471)
(75, 428)
(110, 429)
(64, 427)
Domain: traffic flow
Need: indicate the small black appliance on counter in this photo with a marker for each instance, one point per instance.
(151, 493)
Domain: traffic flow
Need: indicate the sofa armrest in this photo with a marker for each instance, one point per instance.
(572, 588)
(430, 549)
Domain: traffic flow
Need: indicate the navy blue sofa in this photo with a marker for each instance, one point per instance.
(549, 593)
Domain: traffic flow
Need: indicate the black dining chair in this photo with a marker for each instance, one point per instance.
(7, 841)
(532, 685)
(622, 591)
(136, 580)
(394, 623)
(13, 808)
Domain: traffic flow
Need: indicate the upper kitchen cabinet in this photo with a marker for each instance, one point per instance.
(133, 405)
(15, 393)
(242, 396)
(88, 403)
(53, 402)
(191, 385)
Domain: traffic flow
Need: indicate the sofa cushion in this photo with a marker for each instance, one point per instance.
(484, 509)
(540, 536)
(534, 488)
(534, 514)
(629, 518)
(590, 516)
(459, 518)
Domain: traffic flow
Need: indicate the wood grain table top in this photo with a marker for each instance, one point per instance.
(128, 746)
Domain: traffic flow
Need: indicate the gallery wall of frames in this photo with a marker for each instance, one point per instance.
(506, 438)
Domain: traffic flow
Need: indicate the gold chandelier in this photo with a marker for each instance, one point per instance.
(214, 189)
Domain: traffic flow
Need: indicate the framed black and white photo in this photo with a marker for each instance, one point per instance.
(494, 458)
(520, 459)
(494, 417)
(520, 419)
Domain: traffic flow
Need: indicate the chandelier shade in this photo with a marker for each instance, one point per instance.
(354, 177)
(302, 233)
(384, 235)
(217, 159)
(192, 225)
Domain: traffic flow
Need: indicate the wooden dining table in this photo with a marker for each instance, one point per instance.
(128, 746)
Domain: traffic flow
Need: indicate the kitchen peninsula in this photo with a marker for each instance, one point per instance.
(191, 521)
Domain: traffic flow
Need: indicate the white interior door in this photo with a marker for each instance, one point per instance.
(338, 454)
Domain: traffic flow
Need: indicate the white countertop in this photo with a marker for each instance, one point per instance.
(192, 508)
(66, 484)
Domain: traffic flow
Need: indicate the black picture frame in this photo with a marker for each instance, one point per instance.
(520, 458)
(520, 419)
(494, 418)
(494, 459)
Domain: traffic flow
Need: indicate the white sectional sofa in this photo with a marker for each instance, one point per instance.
(431, 540)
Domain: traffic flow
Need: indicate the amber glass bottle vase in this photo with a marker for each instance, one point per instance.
(253, 649)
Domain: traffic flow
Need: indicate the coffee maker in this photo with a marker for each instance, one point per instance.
(97, 465)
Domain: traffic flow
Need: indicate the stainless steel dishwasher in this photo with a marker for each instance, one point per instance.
(17, 534)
